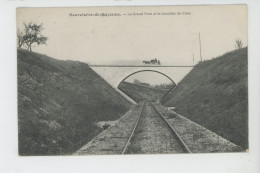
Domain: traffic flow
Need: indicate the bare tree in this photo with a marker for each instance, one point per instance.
(20, 40)
(239, 43)
(33, 35)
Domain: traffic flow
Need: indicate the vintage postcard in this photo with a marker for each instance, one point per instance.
(132, 80)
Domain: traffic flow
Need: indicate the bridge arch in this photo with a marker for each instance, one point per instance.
(114, 75)
(139, 71)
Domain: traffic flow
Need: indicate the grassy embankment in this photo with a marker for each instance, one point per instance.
(59, 103)
(139, 93)
(215, 95)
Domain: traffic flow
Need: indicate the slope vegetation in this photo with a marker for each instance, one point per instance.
(139, 93)
(215, 95)
(59, 103)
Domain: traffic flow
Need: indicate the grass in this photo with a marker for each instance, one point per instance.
(140, 93)
(59, 103)
(215, 95)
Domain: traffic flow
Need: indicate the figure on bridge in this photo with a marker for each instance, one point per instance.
(153, 61)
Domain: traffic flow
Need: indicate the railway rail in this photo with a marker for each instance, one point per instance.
(185, 147)
(113, 139)
(128, 142)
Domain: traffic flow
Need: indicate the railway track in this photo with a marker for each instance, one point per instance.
(142, 130)
(152, 133)
(148, 128)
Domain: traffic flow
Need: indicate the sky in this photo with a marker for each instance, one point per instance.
(173, 39)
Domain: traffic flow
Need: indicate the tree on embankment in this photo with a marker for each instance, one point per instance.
(32, 34)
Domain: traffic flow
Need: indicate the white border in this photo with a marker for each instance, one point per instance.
(219, 163)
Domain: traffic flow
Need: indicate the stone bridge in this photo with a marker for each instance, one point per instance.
(115, 74)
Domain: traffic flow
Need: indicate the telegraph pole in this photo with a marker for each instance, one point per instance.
(200, 48)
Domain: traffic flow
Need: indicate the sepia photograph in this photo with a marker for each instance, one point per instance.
(132, 80)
